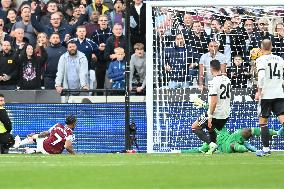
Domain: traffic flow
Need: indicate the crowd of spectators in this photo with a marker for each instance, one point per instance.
(225, 33)
(71, 44)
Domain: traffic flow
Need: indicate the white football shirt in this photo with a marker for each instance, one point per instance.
(270, 69)
(220, 86)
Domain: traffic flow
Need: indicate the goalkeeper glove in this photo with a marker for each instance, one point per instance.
(198, 103)
(250, 147)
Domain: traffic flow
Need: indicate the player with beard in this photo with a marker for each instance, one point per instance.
(72, 70)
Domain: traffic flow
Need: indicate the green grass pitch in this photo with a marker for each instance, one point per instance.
(137, 171)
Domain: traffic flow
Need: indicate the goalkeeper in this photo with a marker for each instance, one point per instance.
(227, 142)
(236, 142)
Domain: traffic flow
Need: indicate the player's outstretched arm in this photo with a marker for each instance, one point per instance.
(199, 103)
(69, 147)
(40, 135)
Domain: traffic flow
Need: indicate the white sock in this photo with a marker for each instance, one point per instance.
(212, 144)
(27, 141)
(266, 149)
(30, 150)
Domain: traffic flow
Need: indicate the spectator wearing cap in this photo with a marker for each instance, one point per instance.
(25, 23)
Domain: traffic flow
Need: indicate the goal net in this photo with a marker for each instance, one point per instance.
(173, 76)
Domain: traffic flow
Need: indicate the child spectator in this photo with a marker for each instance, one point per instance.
(239, 73)
(116, 69)
(138, 63)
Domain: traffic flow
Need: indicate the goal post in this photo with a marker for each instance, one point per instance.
(169, 111)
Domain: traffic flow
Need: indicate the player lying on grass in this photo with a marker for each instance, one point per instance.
(53, 141)
(234, 142)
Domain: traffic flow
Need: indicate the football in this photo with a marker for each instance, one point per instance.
(255, 53)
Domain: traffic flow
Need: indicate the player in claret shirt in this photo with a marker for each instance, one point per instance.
(53, 141)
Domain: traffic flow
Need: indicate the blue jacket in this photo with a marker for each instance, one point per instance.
(116, 72)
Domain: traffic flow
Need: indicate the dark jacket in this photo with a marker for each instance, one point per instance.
(199, 44)
(179, 59)
(53, 54)
(9, 66)
(31, 70)
(110, 46)
(235, 41)
(100, 36)
(239, 75)
(62, 30)
(139, 19)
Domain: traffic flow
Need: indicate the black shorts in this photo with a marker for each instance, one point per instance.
(271, 105)
(216, 123)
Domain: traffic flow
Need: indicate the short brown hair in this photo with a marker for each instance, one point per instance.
(138, 46)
